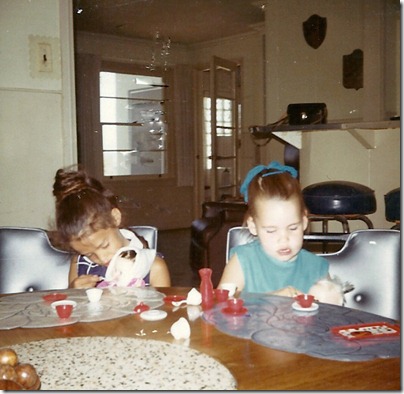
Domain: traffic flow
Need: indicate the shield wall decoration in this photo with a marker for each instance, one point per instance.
(314, 30)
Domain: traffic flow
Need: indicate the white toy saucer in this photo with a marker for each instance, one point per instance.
(153, 315)
(312, 308)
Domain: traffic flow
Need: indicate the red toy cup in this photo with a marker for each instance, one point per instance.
(64, 308)
(221, 295)
(235, 304)
(304, 300)
(64, 311)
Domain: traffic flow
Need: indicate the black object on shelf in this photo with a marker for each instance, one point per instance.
(307, 113)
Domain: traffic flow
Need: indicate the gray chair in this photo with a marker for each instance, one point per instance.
(29, 262)
(149, 233)
(369, 259)
(240, 235)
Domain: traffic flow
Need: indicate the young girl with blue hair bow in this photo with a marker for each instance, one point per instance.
(275, 262)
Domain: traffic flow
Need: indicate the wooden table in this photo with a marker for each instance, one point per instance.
(255, 367)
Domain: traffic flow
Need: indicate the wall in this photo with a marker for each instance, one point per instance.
(37, 111)
(296, 73)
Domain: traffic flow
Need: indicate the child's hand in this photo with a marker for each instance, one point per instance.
(85, 281)
(288, 291)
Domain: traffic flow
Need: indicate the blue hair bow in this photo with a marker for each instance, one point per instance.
(274, 165)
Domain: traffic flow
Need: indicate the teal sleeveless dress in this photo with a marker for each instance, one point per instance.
(263, 273)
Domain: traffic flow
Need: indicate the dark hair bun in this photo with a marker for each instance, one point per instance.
(74, 182)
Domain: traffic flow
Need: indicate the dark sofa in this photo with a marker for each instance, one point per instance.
(209, 236)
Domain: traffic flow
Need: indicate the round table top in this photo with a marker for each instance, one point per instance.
(254, 366)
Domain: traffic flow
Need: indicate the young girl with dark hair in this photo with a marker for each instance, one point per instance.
(88, 222)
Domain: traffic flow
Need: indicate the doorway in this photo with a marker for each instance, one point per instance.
(218, 139)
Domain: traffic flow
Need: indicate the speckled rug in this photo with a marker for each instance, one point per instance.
(118, 363)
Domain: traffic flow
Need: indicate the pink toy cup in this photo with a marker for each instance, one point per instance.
(235, 304)
(304, 300)
(221, 295)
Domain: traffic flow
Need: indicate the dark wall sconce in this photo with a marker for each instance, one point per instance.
(352, 70)
(314, 30)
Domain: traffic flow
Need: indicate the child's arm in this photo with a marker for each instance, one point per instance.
(288, 291)
(83, 281)
(233, 273)
(159, 274)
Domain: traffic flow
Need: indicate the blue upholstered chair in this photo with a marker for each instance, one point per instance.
(392, 207)
(340, 201)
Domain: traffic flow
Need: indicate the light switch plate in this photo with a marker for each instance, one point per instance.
(44, 57)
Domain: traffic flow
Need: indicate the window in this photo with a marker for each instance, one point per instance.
(224, 115)
(133, 123)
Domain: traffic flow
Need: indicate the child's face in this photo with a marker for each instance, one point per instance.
(101, 245)
(279, 226)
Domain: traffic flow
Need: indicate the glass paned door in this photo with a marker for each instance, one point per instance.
(221, 118)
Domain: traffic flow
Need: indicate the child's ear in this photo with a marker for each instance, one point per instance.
(305, 222)
(116, 214)
(251, 225)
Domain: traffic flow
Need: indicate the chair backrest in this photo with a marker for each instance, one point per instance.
(29, 262)
(238, 235)
(149, 233)
(370, 260)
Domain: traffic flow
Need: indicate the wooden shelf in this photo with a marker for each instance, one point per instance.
(364, 132)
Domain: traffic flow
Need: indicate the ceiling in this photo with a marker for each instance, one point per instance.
(183, 21)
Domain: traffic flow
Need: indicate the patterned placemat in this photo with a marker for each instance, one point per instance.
(118, 363)
(29, 310)
(271, 321)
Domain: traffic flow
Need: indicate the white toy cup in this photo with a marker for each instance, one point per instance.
(94, 294)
